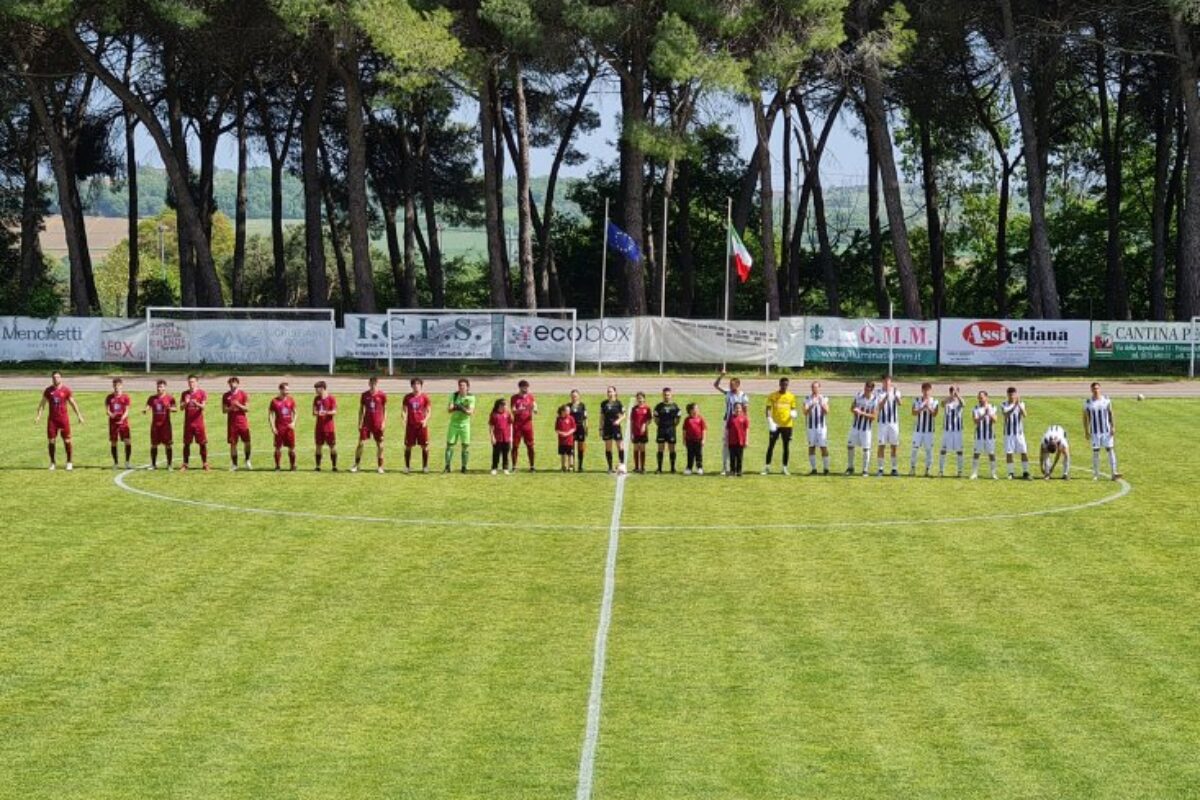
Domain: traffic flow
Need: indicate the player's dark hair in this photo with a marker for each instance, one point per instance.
(691, 407)
(926, 385)
(562, 408)
(233, 379)
(193, 377)
(498, 405)
(639, 394)
(666, 388)
(373, 380)
(1095, 385)
(118, 380)
(56, 372)
(870, 385)
(283, 386)
(522, 384)
(320, 385)
(160, 382)
(783, 381)
(1011, 390)
(415, 382)
(464, 380)
(612, 389)
(984, 392)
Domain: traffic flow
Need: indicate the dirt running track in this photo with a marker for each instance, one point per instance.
(592, 385)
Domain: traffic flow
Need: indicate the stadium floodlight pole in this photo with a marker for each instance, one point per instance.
(662, 291)
(603, 281)
(728, 244)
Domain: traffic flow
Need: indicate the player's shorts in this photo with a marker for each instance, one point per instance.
(639, 438)
(952, 441)
(1014, 444)
(416, 436)
(458, 434)
(523, 432)
(236, 434)
(118, 431)
(665, 436)
(370, 432)
(1104, 440)
(58, 427)
(161, 434)
(985, 447)
(859, 438)
(818, 437)
(922, 441)
(889, 434)
(565, 449)
(195, 433)
(580, 435)
(324, 437)
(611, 433)
(285, 437)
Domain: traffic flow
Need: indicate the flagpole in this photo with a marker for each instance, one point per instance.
(662, 292)
(728, 244)
(603, 282)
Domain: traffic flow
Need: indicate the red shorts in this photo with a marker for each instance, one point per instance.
(195, 433)
(160, 434)
(58, 427)
(285, 437)
(242, 433)
(325, 437)
(416, 435)
(370, 432)
(523, 432)
(118, 431)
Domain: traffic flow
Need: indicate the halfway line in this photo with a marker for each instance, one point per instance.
(587, 758)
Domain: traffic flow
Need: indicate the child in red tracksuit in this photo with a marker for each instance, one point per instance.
(694, 431)
(737, 435)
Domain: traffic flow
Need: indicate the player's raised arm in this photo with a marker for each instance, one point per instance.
(717, 383)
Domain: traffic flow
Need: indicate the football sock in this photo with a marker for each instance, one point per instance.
(154, 456)
(70, 448)
(407, 457)
(187, 454)
(608, 458)
(893, 462)
(277, 454)
(912, 462)
(449, 455)
(114, 454)
(128, 452)
(233, 457)
(50, 447)
(292, 458)
(1112, 460)
(621, 456)
(960, 463)
(333, 458)
(204, 453)
(850, 458)
(425, 458)
(1095, 462)
(318, 459)
(942, 461)
(1067, 465)
(170, 456)
(812, 460)
(928, 459)
(672, 461)
(247, 454)
(825, 462)
(466, 454)
(660, 455)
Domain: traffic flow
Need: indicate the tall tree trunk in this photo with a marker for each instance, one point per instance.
(356, 186)
(1160, 223)
(933, 220)
(874, 234)
(766, 204)
(395, 258)
(1003, 270)
(910, 297)
(1175, 200)
(209, 135)
(1187, 302)
(345, 287)
(310, 170)
(633, 181)
(1043, 287)
(131, 183)
(815, 149)
(32, 264)
(238, 271)
(410, 256)
(185, 233)
(684, 253)
(493, 211)
(434, 272)
(1116, 295)
(529, 284)
(278, 254)
(785, 238)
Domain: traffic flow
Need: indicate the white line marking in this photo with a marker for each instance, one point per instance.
(591, 736)
(119, 480)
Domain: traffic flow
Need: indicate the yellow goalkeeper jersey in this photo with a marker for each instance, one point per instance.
(781, 405)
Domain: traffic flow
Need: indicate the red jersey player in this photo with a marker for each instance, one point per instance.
(639, 430)
(117, 406)
(324, 411)
(281, 415)
(523, 406)
(372, 420)
(416, 423)
(162, 406)
(235, 404)
(193, 401)
(564, 427)
(58, 396)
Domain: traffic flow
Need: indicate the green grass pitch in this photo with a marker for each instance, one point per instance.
(765, 642)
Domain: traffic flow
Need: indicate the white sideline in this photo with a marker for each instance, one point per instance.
(587, 758)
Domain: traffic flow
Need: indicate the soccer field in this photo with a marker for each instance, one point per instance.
(250, 635)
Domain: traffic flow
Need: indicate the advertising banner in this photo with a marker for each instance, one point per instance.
(56, 339)
(1018, 343)
(123, 341)
(239, 341)
(866, 341)
(545, 339)
(792, 337)
(1142, 341)
(449, 336)
(699, 341)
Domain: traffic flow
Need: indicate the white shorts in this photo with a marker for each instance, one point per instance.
(985, 446)
(1104, 440)
(923, 441)
(889, 434)
(860, 439)
(1014, 444)
(952, 441)
(818, 437)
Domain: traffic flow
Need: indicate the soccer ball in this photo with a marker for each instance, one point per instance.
(620, 469)
(1141, 397)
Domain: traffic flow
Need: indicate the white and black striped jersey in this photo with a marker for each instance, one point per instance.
(814, 410)
(1014, 418)
(926, 413)
(867, 404)
(952, 414)
(985, 422)
(1099, 412)
(1055, 435)
(889, 406)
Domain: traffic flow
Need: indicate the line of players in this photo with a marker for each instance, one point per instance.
(510, 425)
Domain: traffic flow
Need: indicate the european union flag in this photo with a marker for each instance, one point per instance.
(623, 243)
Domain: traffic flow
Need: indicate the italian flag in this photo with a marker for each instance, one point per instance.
(741, 256)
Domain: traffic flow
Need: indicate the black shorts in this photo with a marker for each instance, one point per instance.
(580, 436)
(640, 438)
(611, 433)
(566, 449)
(665, 436)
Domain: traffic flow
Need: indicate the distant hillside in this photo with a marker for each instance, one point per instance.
(108, 198)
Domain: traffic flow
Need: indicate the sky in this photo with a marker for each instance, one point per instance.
(844, 163)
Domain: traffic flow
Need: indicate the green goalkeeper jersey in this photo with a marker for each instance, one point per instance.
(463, 404)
